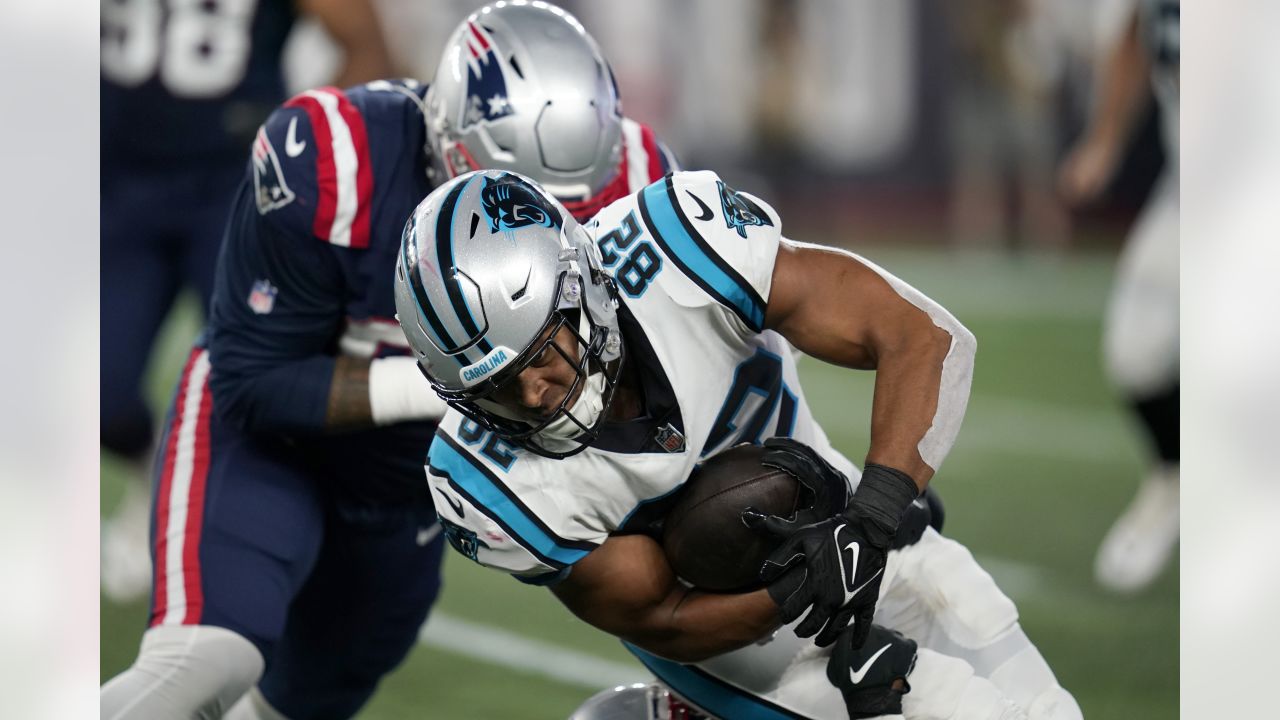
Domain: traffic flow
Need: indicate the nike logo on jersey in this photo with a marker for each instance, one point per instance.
(292, 147)
(706, 211)
(457, 506)
(857, 675)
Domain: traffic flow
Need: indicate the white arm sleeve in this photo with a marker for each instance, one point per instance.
(957, 370)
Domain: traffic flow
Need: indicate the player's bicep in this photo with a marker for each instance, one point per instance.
(833, 306)
(624, 587)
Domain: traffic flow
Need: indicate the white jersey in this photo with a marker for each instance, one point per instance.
(693, 260)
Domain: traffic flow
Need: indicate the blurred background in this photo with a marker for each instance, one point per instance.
(929, 136)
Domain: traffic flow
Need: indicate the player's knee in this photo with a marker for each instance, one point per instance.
(190, 671)
(973, 611)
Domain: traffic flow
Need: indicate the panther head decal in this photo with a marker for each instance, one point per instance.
(510, 203)
(740, 211)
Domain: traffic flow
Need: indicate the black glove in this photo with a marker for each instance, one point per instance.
(843, 554)
(842, 574)
(866, 675)
(827, 486)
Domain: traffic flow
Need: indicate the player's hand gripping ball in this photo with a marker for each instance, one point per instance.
(704, 536)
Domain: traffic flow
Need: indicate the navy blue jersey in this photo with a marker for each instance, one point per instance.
(307, 270)
(189, 79)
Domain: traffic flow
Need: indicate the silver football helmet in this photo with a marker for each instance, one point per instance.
(491, 268)
(639, 701)
(521, 86)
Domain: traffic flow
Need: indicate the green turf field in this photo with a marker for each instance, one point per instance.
(1045, 461)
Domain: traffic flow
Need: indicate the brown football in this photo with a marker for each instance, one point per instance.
(703, 535)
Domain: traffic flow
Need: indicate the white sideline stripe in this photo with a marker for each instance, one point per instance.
(180, 494)
(517, 652)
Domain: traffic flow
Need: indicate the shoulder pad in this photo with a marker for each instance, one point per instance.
(311, 168)
(724, 241)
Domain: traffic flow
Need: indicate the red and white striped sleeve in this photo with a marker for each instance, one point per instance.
(312, 168)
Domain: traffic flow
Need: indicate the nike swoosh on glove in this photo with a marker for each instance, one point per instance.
(866, 674)
(842, 574)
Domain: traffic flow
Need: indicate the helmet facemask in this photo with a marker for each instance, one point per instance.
(575, 423)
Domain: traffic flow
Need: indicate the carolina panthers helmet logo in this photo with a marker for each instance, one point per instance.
(463, 540)
(510, 203)
(740, 211)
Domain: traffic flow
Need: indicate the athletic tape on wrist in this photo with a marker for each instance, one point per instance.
(883, 495)
(398, 392)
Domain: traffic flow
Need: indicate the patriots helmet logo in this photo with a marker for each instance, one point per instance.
(740, 211)
(487, 98)
(511, 203)
(463, 540)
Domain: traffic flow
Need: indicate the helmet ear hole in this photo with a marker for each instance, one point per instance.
(475, 222)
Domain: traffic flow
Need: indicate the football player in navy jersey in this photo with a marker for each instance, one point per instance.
(295, 542)
(185, 85)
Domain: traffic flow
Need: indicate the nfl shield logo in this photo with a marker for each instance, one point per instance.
(263, 297)
(669, 439)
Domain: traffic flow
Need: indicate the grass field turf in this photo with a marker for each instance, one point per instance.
(1044, 463)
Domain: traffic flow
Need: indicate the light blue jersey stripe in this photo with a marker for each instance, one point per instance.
(686, 250)
(480, 486)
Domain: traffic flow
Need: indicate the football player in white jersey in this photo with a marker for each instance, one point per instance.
(590, 368)
(1140, 339)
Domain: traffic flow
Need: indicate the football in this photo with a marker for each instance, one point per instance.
(703, 535)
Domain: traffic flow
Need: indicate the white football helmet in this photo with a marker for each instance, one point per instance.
(491, 268)
(521, 86)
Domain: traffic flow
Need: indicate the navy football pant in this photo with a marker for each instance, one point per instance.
(160, 233)
(246, 538)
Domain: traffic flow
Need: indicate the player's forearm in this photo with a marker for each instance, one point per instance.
(287, 398)
(1122, 89)
(905, 405)
(348, 405)
(627, 588)
(692, 626)
(383, 391)
(355, 26)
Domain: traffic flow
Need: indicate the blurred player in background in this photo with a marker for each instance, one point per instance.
(588, 370)
(185, 85)
(293, 532)
(1141, 331)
